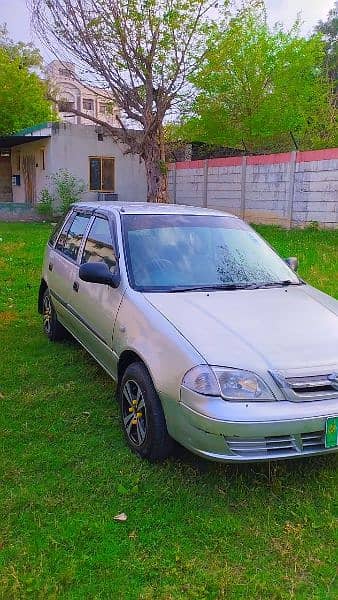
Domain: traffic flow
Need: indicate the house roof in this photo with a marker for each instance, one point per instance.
(30, 130)
(24, 136)
(8, 141)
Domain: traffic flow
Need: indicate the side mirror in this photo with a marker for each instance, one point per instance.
(98, 273)
(292, 261)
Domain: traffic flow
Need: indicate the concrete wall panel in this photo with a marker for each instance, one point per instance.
(290, 189)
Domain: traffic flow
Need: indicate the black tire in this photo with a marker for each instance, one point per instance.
(147, 415)
(51, 326)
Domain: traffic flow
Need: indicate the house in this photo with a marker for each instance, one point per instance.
(30, 157)
(92, 100)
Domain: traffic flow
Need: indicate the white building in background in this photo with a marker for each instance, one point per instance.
(28, 159)
(93, 101)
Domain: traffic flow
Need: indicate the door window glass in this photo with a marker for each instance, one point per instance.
(71, 236)
(99, 246)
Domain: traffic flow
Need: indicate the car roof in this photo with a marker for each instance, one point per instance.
(151, 208)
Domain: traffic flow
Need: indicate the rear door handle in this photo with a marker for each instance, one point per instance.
(76, 286)
(50, 266)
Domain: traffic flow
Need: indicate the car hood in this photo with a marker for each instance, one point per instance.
(276, 328)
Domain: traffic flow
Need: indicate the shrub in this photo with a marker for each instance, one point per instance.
(66, 189)
(45, 205)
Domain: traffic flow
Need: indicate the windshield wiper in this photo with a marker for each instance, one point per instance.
(284, 283)
(212, 288)
(233, 286)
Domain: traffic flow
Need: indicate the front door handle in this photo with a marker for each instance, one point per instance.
(76, 286)
(50, 266)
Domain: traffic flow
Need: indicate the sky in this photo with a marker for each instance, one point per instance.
(16, 15)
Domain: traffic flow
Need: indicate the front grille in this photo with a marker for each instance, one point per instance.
(277, 445)
(313, 387)
(307, 387)
(314, 440)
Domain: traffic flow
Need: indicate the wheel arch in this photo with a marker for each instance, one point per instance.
(127, 358)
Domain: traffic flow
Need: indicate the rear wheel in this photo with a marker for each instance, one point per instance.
(142, 415)
(51, 326)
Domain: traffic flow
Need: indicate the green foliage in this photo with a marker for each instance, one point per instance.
(45, 206)
(28, 55)
(256, 85)
(23, 100)
(65, 189)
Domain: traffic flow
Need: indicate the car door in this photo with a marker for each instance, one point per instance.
(62, 265)
(96, 305)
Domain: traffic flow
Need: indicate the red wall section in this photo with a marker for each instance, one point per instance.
(309, 155)
(262, 159)
(269, 159)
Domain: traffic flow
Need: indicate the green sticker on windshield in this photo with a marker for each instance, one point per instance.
(331, 432)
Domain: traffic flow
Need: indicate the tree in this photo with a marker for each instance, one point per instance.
(143, 51)
(28, 55)
(256, 85)
(23, 100)
(329, 31)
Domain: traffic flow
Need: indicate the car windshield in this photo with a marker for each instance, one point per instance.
(176, 252)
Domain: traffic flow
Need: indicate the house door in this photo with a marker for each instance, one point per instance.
(29, 177)
(5, 177)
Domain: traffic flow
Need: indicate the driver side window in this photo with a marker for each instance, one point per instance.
(99, 246)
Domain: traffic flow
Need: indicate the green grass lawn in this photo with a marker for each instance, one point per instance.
(195, 530)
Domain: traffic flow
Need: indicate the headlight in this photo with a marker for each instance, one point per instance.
(202, 380)
(231, 384)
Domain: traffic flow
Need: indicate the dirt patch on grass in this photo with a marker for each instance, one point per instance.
(7, 317)
(9, 247)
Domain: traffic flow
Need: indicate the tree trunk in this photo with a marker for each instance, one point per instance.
(156, 171)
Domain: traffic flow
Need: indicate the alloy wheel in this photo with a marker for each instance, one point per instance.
(47, 314)
(134, 412)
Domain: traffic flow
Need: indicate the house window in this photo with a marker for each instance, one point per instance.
(88, 104)
(101, 174)
(66, 105)
(102, 108)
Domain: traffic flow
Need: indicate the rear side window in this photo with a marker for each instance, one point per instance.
(99, 246)
(71, 236)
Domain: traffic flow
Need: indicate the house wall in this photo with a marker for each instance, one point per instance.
(72, 145)
(288, 189)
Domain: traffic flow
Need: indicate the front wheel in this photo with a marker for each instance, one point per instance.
(142, 415)
(51, 326)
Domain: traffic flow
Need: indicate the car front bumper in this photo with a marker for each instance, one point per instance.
(253, 431)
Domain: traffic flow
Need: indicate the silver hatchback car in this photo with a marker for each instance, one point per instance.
(212, 339)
